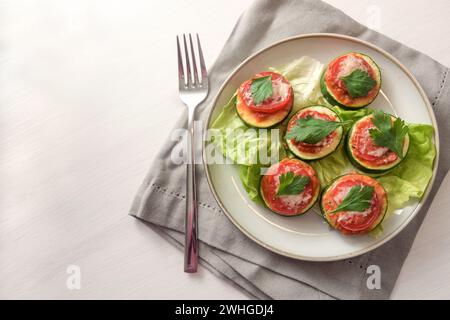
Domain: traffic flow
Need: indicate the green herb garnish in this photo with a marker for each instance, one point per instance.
(359, 83)
(311, 130)
(388, 134)
(357, 199)
(291, 184)
(261, 89)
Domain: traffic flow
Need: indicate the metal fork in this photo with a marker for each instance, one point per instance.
(193, 89)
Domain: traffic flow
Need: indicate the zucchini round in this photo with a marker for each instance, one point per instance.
(353, 222)
(291, 204)
(336, 91)
(323, 148)
(365, 155)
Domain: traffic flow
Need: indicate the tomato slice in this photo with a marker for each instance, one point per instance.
(282, 95)
(289, 205)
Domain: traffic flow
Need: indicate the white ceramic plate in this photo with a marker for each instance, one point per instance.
(308, 237)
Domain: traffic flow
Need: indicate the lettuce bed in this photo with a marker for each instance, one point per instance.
(407, 181)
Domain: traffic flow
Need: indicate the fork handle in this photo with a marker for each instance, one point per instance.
(191, 223)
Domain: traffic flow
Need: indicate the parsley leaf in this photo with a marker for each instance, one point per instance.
(261, 89)
(359, 83)
(388, 134)
(357, 199)
(291, 184)
(311, 130)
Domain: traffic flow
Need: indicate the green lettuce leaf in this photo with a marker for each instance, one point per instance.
(407, 181)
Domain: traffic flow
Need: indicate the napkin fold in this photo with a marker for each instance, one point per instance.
(224, 250)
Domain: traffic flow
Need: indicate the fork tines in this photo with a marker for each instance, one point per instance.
(191, 77)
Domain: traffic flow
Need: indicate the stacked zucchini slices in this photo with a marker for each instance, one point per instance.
(351, 81)
(355, 203)
(377, 143)
(314, 132)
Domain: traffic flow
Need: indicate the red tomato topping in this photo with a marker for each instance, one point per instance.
(289, 205)
(353, 222)
(343, 66)
(312, 148)
(282, 95)
(365, 150)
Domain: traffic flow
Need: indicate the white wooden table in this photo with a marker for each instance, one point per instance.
(80, 84)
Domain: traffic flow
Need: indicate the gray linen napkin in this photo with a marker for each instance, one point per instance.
(224, 249)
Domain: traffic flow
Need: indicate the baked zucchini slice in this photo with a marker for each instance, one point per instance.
(290, 187)
(354, 204)
(317, 150)
(265, 100)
